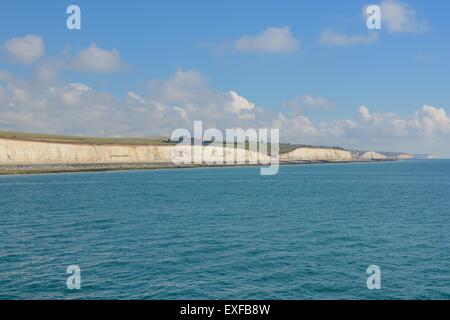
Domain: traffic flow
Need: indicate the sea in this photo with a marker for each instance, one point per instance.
(309, 232)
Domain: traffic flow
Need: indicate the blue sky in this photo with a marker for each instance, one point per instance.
(400, 69)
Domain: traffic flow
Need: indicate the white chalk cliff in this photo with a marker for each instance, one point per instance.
(22, 151)
(13, 151)
(317, 154)
(371, 155)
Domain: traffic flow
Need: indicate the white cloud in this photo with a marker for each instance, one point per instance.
(183, 86)
(331, 37)
(300, 104)
(424, 131)
(45, 73)
(181, 112)
(136, 97)
(75, 108)
(26, 49)
(398, 16)
(317, 102)
(427, 122)
(295, 129)
(96, 59)
(239, 105)
(187, 92)
(79, 87)
(71, 95)
(272, 39)
(2, 94)
(433, 121)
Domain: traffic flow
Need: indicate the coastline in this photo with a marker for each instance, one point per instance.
(25, 169)
(22, 153)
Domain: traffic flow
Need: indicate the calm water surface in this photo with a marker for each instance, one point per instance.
(228, 233)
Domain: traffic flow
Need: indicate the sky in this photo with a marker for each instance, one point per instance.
(312, 69)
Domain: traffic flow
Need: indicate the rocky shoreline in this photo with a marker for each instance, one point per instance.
(9, 169)
(18, 169)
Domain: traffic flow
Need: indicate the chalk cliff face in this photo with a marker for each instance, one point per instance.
(16, 152)
(31, 152)
(216, 154)
(371, 155)
(405, 156)
(35, 152)
(317, 154)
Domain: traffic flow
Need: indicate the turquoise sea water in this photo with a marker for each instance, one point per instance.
(228, 233)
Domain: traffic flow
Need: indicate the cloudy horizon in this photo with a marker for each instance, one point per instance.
(336, 84)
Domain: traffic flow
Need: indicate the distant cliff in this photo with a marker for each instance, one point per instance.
(341, 155)
(426, 156)
(317, 154)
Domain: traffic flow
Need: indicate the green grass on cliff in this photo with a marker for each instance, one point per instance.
(83, 140)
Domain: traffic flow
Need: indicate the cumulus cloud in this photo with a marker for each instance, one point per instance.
(331, 37)
(433, 121)
(136, 97)
(71, 94)
(398, 16)
(180, 111)
(2, 94)
(292, 128)
(427, 122)
(307, 101)
(317, 102)
(46, 73)
(75, 108)
(428, 127)
(239, 105)
(272, 40)
(96, 59)
(183, 86)
(26, 49)
(80, 87)
(189, 95)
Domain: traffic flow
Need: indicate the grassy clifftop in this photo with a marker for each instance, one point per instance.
(284, 147)
(84, 140)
